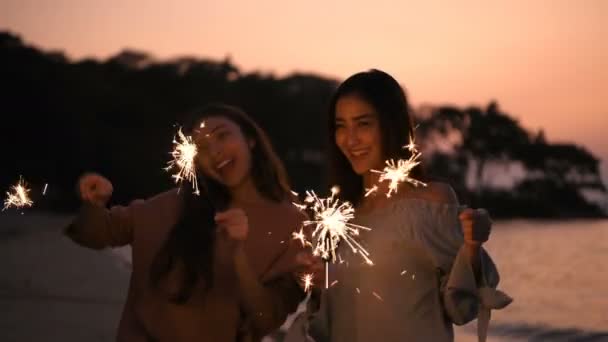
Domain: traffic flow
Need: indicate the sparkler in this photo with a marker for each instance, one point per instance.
(331, 220)
(399, 171)
(18, 196)
(184, 154)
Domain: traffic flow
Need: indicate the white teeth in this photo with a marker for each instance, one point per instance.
(358, 153)
(224, 163)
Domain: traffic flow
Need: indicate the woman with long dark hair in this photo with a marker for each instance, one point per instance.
(429, 270)
(214, 267)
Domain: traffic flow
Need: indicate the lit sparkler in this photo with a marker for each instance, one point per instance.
(184, 154)
(331, 219)
(18, 196)
(396, 172)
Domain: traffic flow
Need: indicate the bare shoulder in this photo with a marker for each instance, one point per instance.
(437, 192)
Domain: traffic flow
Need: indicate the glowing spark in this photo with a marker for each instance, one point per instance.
(378, 296)
(184, 154)
(413, 276)
(300, 236)
(371, 190)
(399, 171)
(18, 196)
(294, 193)
(44, 190)
(331, 219)
(411, 146)
(301, 207)
(356, 288)
(333, 283)
(202, 124)
(307, 280)
(404, 272)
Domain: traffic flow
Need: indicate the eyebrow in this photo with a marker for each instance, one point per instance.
(216, 128)
(359, 117)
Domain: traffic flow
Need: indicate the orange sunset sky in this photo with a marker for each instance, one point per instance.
(544, 61)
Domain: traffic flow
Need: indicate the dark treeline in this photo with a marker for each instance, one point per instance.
(61, 118)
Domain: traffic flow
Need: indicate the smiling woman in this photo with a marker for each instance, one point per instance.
(212, 267)
(429, 270)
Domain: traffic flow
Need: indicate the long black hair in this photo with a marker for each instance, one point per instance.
(386, 96)
(190, 245)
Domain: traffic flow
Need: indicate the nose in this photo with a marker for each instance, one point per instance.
(352, 137)
(214, 149)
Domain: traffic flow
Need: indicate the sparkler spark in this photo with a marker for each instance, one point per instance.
(44, 190)
(399, 171)
(377, 296)
(307, 281)
(18, 196)
(184, 154)
(300, 236)
(371, 190)
(331, 220)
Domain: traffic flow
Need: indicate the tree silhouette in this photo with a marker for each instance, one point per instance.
(118, 117)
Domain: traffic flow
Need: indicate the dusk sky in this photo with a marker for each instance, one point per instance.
(544, 61)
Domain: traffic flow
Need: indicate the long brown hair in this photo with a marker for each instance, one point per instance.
(190, 243)
(387, 97)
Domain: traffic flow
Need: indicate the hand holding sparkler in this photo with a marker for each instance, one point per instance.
(95, 188)
(310, 266)
(234, 223)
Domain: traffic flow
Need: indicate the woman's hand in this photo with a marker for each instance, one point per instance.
(307, 263)
(95, 188)
(234, 223)
(476, 226)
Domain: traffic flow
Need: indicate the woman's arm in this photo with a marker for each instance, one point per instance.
(97, 227)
